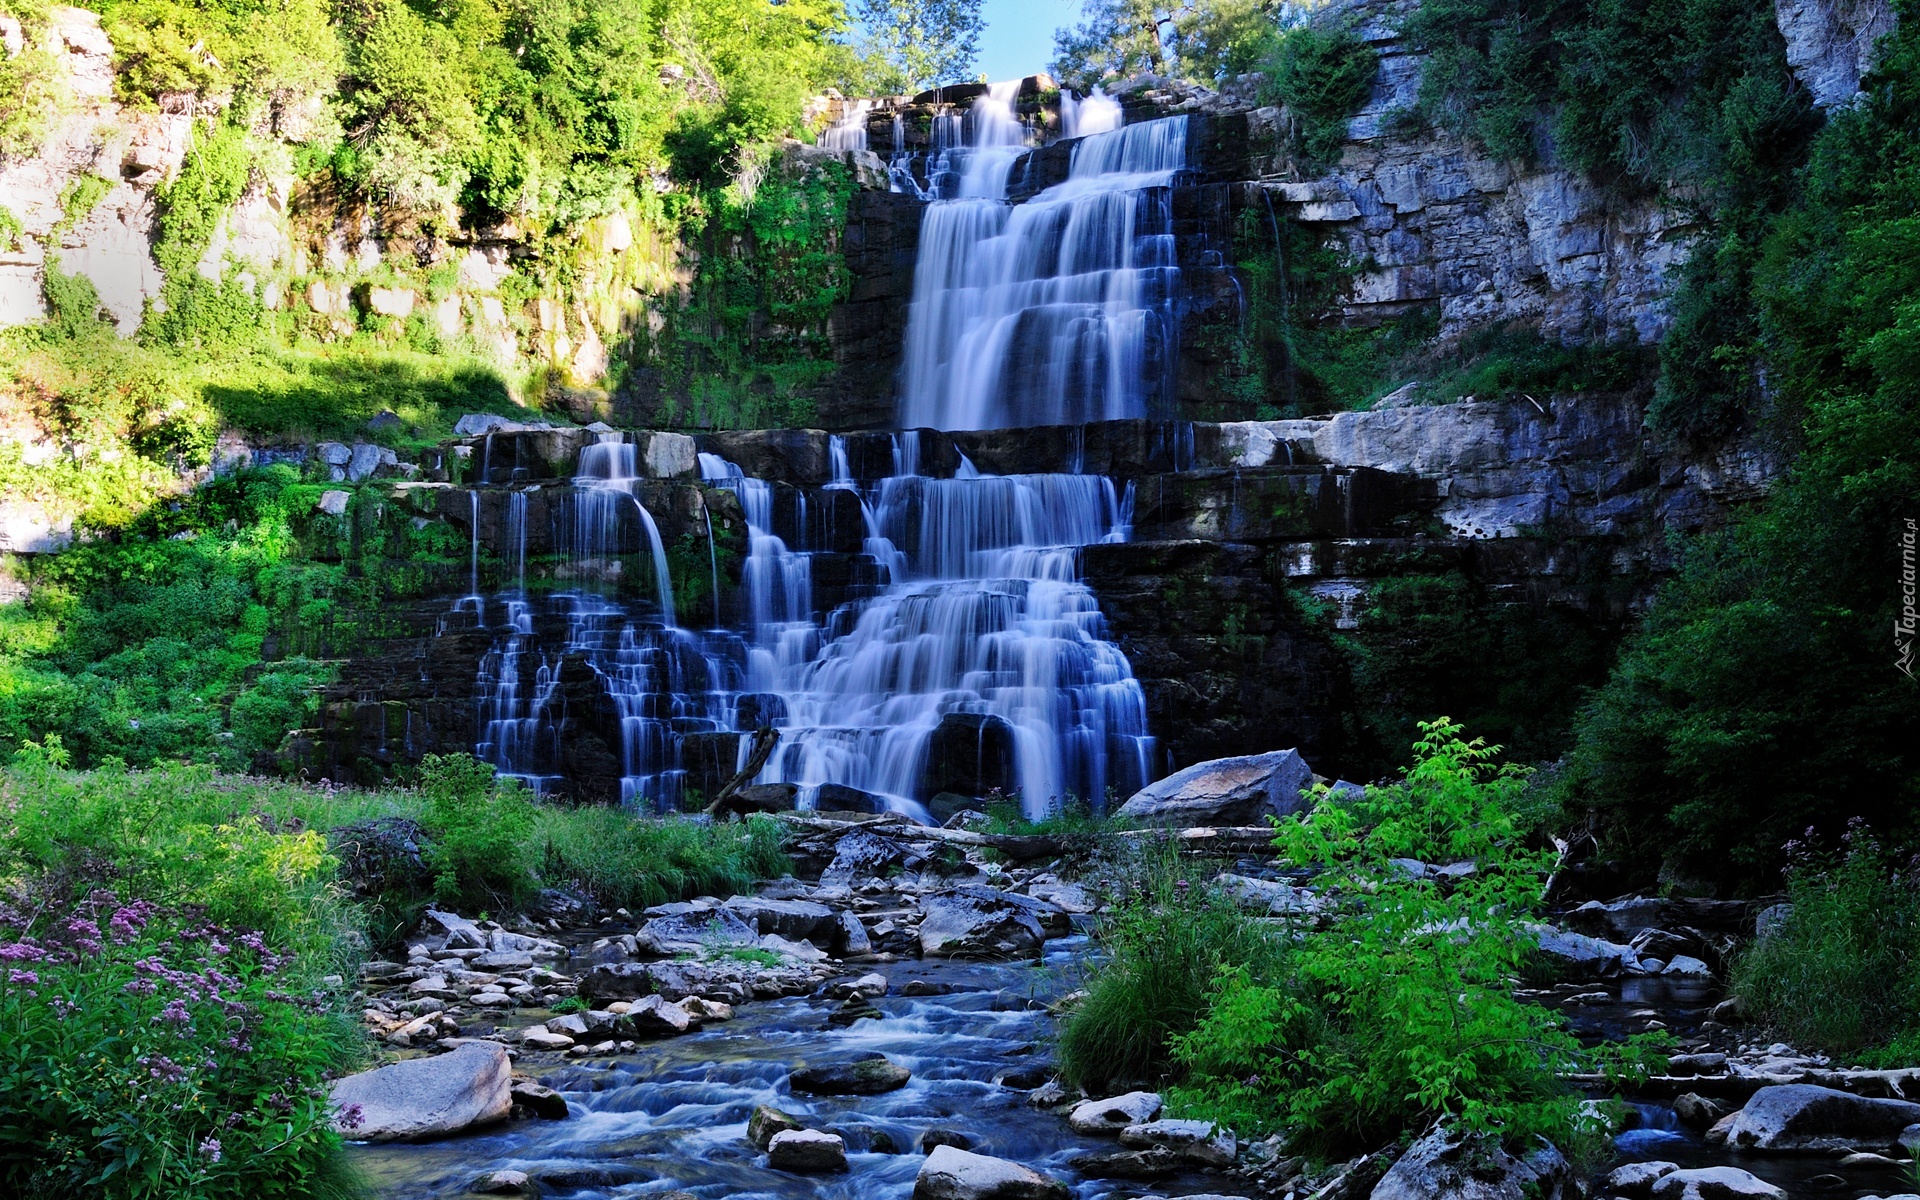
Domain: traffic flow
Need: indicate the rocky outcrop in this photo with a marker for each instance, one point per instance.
(980, 922)
(1226, 791)
(1831, 43)
(426, 1097)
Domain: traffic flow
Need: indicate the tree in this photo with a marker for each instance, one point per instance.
(1197, 39)
(924, 42)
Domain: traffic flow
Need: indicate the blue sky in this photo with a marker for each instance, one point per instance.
(1019, 35)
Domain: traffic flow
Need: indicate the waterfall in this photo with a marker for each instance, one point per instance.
(1095, 113)
(1057, 311)
(850, 131)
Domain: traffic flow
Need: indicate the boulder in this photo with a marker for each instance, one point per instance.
(1800, 1118)
(461, 934)
(950, 1173)
(766, 798)
(851, 938)
(1583, 957)
(795, 919)
(1446, 1165)
(1127, 1164)
(867, 1075)
(837, 797)
(1636, 1179)
(974, 921)
(969, 754)
(1698, 1112)
(333, 502)
(861, 855)
(767, 1121)
(609, 982)
(1106, 1118)
(503, 1183)
(1714, 1183)
(694, 933)
(1203, 1142)
(545, 1039)
(1225, 791)
(933, 1139)
(807, 1152)
(1619, 920)
(427, 1097)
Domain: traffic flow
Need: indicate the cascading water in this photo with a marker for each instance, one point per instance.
(850, 131)
(979, 638)
(1058, 311)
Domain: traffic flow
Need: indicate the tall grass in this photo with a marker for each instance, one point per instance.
(633, 862)
(1167, 941)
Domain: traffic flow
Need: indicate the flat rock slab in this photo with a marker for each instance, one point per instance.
(429, 1097)
(954, 1174)
(1714, 1183)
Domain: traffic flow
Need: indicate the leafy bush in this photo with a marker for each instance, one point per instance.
(1842, 972)
(1397, 1009)
(1170, 936)
(481, 826)
(1323, 75)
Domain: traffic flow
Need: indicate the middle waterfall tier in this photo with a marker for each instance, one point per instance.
(949, 649)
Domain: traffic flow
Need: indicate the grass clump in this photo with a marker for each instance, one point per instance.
(629, 862)
(1841, 972)
(1168, 940)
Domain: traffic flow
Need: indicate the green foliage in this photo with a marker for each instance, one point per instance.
(168, 1023)
(482, 853)
(1166, 942)
(11, 231)
(923, 42)
(194, 310)
(1761, 695)
(77, 201)
(753, 334)
(31, 97)
(1205, 40)
(1398, 1010)
(634, 863)
(1322, 75)
(73, 305)
(1438, 641)
(1841, 974)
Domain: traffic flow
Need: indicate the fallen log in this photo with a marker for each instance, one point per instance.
(765, 739)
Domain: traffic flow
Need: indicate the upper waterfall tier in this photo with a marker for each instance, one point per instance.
(1058, 311)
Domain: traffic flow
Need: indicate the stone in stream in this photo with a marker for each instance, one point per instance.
(503, 1183)
(933, 1139)
(1106, 1118)
(545, 1039)
(1127, 1164)
(974, 921)
(867, 1075)
(1445, 1165)
(539, 1100)
(426, 1097)
(1801, 1118)
(1225, 791)
(1698, 1112)
(767, 1121)
(1583, 957)
(851, 939)
(694, 933)
(654, 1016)
(860, 855)
(1203, 1142)
(1714, 1183)
(806, 1152)
(954, 1174)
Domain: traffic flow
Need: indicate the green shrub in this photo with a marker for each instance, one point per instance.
(482, 827)
(1170, 936)
(1323, 75)
(1397, 1008)
(1841, 973)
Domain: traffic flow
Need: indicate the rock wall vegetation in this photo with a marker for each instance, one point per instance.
(1395, 206)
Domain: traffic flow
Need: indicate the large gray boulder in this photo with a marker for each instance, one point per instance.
(1447, 1165)
(868, 1075)
(807, 1152)
(1108, 1117)
(427, 1097)
(798, 920)
(1800, 1118)
(980, 922)
(1225, 791)
(951, 1173)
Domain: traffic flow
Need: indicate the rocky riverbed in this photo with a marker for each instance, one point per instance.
(884, 1031)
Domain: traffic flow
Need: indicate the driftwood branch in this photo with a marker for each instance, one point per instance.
(765, 739)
